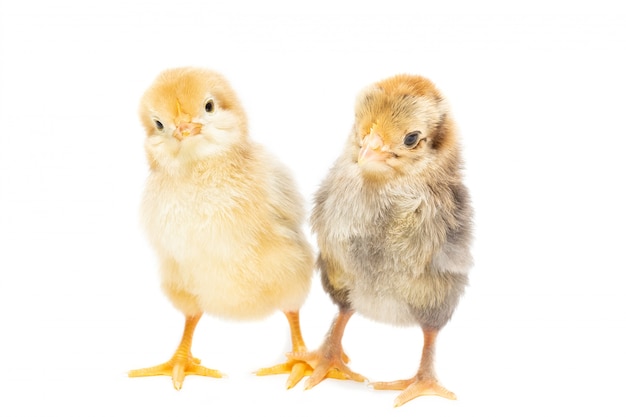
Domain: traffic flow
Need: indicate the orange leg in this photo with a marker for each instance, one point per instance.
(329, 361)
(182, 362)
(296, 369)
(425, 382)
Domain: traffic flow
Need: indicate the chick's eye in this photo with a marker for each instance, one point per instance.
(411, 139)
(209, 106)
(158, 125)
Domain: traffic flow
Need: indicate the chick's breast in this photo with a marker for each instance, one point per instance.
(233, 243)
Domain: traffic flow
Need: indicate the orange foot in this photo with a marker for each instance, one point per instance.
(413, 388)
(295, 368)
(329, 361)
(178, 368)
(182, 362)
(302, 363)
(323, 365)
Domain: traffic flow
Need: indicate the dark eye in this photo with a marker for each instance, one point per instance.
(209, 106)
(158, 125)
(412, 138)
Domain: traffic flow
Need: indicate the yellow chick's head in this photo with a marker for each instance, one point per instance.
(402, 124)
(190, 114)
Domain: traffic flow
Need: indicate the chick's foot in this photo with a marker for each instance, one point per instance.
(178, 368)
(425, 382)
(329, 361)
(297, 369)
(413, 388)
(302, 363)
(182, 362)
(325, 366)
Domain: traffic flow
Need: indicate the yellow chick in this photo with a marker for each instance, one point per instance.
(223, 216)
(393, 222)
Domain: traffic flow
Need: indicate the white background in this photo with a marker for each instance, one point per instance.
(538, 92)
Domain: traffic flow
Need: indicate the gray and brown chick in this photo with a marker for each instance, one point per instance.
(393, 222)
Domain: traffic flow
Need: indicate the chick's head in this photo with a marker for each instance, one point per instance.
(402, 125)
(190, 114)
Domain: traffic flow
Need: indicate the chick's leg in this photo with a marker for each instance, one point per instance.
(329, 361)
(425, 382)
(296, 369)
(182, 362)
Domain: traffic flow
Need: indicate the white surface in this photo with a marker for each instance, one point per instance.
(538, 93)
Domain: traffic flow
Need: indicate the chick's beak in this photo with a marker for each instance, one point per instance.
(184, 125)
(372, 148)
(185, 129)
